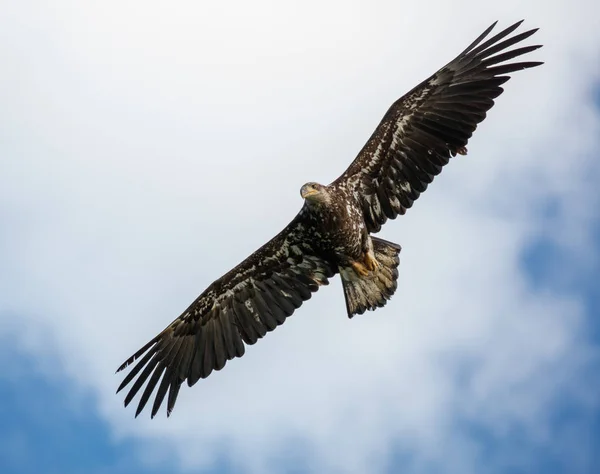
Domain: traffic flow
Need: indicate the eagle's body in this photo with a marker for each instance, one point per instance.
(337, 223)
(332, 233)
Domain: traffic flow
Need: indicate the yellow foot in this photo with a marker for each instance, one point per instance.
(371, 262)
(360, 269)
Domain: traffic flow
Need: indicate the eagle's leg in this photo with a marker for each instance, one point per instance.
(369, 254)
(367, 262)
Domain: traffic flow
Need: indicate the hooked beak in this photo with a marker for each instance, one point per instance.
(309, 192)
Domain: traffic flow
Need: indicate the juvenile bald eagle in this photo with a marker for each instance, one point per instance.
(332, 233)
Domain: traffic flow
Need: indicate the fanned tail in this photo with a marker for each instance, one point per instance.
(375, 289)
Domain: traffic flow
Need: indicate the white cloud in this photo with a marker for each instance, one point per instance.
(147, 149)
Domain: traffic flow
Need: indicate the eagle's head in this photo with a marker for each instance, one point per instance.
(314, 193)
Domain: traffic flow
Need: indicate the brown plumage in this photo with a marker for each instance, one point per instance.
(332, 232)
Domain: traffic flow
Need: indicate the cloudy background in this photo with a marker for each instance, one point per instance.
(148, 147)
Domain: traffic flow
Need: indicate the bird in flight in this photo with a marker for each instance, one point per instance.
(333, 232)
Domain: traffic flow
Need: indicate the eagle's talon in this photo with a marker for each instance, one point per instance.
(360, 269)
(371, 262)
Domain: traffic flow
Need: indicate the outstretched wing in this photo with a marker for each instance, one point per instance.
(434, 121)
(240, 307)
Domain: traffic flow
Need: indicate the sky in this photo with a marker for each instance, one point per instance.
(146, 149)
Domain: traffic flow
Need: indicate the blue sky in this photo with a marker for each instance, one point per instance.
(144, 151)
(42, 433)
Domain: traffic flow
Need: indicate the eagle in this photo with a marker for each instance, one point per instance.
(333, 231)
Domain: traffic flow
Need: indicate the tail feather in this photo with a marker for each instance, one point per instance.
(374, 290)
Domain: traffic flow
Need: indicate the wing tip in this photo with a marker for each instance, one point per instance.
(138, 354)
(479, 45)
(125, 364)
(491, 27)
(514, 26)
